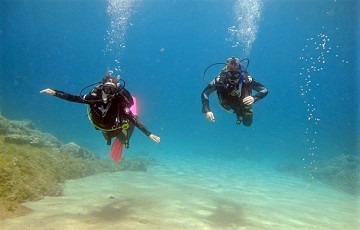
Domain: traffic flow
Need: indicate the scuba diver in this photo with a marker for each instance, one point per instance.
(111, 110)
(234, 88)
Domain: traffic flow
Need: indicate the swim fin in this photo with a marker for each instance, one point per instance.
(116, 150)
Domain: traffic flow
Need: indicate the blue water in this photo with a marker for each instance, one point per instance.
(162, 50)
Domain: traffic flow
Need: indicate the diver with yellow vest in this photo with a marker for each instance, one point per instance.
(111, 110)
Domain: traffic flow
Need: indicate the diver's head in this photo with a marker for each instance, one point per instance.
(233, 70)
(109, 78)
(108, 86)
(233, 64)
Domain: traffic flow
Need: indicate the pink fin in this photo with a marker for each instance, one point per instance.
(116, 150)
(133, 108)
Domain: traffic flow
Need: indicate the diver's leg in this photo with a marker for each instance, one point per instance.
(107, 137)
(125, 135)
(239, 117)
(247, 118)
(121, 135)
(130, 131)
(238, 111)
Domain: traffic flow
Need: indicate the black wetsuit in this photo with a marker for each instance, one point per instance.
(232, 93)
(114, 118)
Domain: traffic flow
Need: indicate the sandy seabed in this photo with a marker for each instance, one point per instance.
(202, 194)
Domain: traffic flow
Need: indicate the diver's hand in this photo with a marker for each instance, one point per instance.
(155, 138)
(248, 100)
(210, 116)
(48, 91)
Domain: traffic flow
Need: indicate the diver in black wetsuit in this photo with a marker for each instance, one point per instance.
(109, 105)
(234, 88)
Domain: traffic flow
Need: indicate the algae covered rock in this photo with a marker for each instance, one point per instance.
(77, 151)
(25, 132)
(34, 164)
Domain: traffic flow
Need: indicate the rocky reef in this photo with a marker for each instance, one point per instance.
(341, 172)
(34, 164)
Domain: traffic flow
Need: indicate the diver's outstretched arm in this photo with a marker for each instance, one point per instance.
(134, 119)
(48, 91)
(210, 116)
(154, 138)
(66, 96)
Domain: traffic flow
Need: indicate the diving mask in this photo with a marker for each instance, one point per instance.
(109, 89)
(233, 76)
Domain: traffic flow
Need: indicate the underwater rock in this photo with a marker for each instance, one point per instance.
(24, 132)
(42, 140)
(9, 126)
(34, 164)
(342, 172)
(138, 164)
(34, 138)
(287, 167)
(77, 151)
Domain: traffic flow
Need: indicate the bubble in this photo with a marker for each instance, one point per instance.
(313, 63)
(119, 12)
(247, 15)
(314, 60)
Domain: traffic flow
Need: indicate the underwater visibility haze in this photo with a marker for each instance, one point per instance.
(305, 133)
